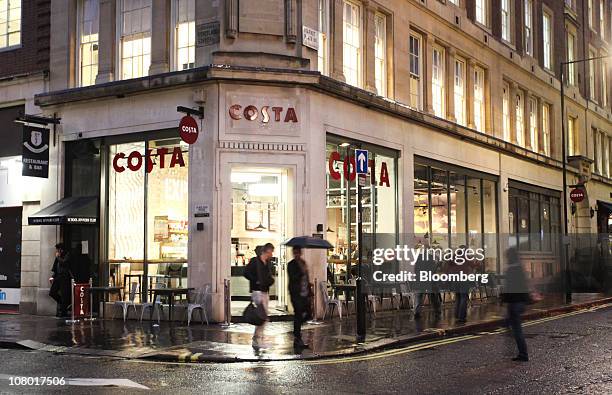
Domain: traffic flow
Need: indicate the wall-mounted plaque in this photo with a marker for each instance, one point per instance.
(262, 16)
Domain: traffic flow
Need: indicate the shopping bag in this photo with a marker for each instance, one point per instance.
(254, 314)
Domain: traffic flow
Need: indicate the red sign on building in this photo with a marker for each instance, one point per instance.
(80, 300)
(577, 195)
(188, 129)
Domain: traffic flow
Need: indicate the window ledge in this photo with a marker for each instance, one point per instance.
(11, 48)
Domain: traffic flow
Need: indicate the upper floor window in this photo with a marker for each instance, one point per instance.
(602, 19)
(135, 38)
(455, 2)
(529, 27)
(547, 39)
(533, 125)
(88, 30)
(506, 20)
(572, 136)
(351, 60)
(592, 63)
(606, 156)
(546, 129)
(570, 4)
(482, 12)
(437, 81)
(323, 52)
(380, 54)
(520, 120)
(10, 23)
(604, 83)
(184, 34)
(479, 99)
(571, 56)
(506, 111)
(590, 11)
(416, 67)
(598, 151)
(460, 92)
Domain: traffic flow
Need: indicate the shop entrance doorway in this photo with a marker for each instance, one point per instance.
(262, 208)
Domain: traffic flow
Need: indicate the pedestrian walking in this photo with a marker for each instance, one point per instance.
(301, 295)
(516, 295)
(61, 280)
(461, 288)
(426, 264)
(260, 278)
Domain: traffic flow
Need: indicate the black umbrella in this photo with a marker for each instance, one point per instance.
(308, 242)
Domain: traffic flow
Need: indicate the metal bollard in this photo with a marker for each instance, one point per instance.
(227, 303)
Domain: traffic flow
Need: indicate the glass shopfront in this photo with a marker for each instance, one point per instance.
(379, 203)
(454, 206)
(147, 213)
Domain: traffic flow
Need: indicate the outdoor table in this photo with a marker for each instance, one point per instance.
(348, 290)
(171, 293)
(104, 291)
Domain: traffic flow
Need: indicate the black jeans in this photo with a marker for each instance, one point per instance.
(461, 302)
(60, 292)
(516, 323)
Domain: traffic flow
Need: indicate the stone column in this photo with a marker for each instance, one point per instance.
(369, 48)
(469, 81)
(290, 21)
(160, 37)
(427, 59)
(107, 45)
(336, 47)
(231, 17)
(450, 83)
(512, 109)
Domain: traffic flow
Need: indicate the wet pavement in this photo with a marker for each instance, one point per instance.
(569, 354)
(176, 341)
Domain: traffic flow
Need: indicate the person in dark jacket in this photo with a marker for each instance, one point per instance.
(61, 280)
(260, 280)
(301, 295)
(426, 288)
(516, 294)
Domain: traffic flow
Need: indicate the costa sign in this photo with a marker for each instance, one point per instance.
(577, 195)
(135, 159)
(266, 114)
(349, 169)
(188, 129)
(80, 300)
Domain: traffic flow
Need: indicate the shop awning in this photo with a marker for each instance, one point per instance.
(68, 211)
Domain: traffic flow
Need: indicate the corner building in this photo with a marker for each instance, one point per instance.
(457, 103)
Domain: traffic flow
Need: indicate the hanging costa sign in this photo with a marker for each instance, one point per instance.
(348, 168)
(134, 161)
(577, 195)
(188, 129)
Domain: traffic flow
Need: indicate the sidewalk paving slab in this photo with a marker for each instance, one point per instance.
(176, 342)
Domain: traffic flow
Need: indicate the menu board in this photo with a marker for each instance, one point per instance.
(10, 254)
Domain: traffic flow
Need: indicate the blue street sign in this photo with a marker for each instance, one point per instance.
(361, 161)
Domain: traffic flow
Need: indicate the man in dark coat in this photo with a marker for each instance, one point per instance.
(301, 295)
(260, 280)
(61, 280)
(516, 294)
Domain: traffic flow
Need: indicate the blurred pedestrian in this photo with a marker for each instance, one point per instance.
(61, 280)
(301, 295)
(461, 288)
(516, 295)
(260, 280)
(427, 265)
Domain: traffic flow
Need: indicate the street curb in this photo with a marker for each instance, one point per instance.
(188, 357)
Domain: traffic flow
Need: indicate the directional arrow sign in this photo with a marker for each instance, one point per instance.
(361, 161)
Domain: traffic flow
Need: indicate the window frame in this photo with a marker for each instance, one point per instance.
(462, 98)
(480, 105)
(506, 124)
(441, 85)
(359, 48)
(418, 38)
(519, 124)
(592, 75)
(484, 12)
(528, 27)
(546, 128)
(571, 56)
(383, 77)
(323, 51)
(533, 124)
(174, 65)
(119, 41)
(506, 20)
(547, 40)
(572, 132)
(20, 44)
(79, 43)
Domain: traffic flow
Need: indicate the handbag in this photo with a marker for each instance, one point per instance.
(254, 314)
